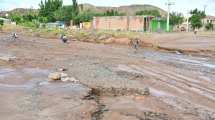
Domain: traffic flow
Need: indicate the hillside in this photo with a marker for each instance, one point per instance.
(130, 10)
(21, 11)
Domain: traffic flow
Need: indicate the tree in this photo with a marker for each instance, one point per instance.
(113, 13)
(16, 18)
(85, 16)
(209, 26)
(1, 22)
(28, 17)
(155, 13)
(64, 14)
(75, 9)
(43, 19)
(48, 8)
(176, 18)
(196, 18)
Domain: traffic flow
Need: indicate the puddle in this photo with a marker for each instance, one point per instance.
(159, 93)
(22, 78)
(199, 63)
(209, 65)
(35, 72)
(34, 78)
(190, 61)
(181, 60)
(6, 72)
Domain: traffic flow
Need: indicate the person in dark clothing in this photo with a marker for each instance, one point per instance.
(135, 43)
(14, 36)
(63, 38)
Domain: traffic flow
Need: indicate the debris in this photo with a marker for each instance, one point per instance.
(62, 69)
(178, 52)
(7, 58)
(62, 76)
(102, 37)
(55, 76)
(69, 79)
(146, 91)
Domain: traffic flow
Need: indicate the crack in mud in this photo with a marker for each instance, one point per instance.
(148, 115)
(97, 93)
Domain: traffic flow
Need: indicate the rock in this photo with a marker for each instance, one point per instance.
(63, 75)
(146, 91)
(7, 58)
(69, 79)
(178, 52)
(102, 37)
(62, 69)
(55, 76)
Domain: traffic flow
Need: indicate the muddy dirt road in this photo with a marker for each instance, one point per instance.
(112, 79)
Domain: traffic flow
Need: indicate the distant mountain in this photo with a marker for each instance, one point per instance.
(22, 11)
(129, 10)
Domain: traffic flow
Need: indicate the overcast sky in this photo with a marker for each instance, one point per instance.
(180, 5)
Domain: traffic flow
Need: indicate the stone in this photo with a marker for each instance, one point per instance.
(69, 79)
(7, 58)
(62, 69)
(178, 52)
(63, 75)
(146, 91)
(55, 76)
(102, 37)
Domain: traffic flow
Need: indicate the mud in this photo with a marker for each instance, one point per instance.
(112, 82)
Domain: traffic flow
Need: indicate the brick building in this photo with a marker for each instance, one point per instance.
(123, 23)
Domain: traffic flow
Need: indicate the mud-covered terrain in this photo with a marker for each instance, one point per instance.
(112, 82)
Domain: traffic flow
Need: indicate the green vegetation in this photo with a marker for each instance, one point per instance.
(112, 13)
(54, 10)
(48, 9)
(84, 16)
(176, 18)
(209, 26)
(196, 18)
(15, 17)
(155, 13)
(1, 22)
(64, 14)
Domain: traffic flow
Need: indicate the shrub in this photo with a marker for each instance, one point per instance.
(209, 26)
(1, 22)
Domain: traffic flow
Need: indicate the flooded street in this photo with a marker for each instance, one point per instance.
(112, 82)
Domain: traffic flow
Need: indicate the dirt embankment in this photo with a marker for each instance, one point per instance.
(203, 43)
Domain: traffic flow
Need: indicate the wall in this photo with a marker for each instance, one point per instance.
(132, 23)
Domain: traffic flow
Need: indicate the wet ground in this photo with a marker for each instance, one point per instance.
(112, 82)
(184, 41)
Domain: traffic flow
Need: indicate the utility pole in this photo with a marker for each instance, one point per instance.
(168, 15)
(188, 16)
(205, 6)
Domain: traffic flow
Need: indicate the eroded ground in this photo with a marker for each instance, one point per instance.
(112, 80)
